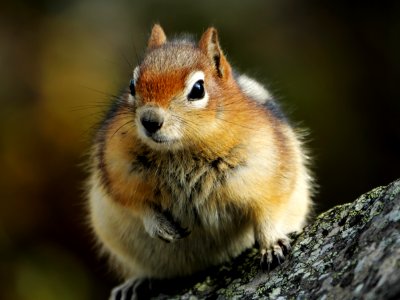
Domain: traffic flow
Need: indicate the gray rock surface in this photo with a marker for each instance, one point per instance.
(351, 251)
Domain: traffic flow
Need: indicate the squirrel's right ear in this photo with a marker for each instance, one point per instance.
(209, 44)
(157, 37)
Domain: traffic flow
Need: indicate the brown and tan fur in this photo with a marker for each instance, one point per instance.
(226, 175)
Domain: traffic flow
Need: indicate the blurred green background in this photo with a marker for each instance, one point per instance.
(335, 65)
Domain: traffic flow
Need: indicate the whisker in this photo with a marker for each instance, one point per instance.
(100, 92)
(123, 125)
(125, 58)
(85, 107)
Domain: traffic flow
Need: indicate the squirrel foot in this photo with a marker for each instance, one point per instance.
(274, 255)
(127, 290)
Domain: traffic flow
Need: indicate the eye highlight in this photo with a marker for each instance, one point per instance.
(132, 87)
(197, 92)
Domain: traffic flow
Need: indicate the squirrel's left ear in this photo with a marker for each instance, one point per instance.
(209, 44)
(157, 37)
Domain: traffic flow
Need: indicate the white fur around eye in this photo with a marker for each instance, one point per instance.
(192, 79)
(135, 77)
(136, 72)
(131, 99)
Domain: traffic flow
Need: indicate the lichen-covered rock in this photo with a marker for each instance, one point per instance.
(351, 251)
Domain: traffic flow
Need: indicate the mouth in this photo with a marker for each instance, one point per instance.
(162, 139)
(159, 140)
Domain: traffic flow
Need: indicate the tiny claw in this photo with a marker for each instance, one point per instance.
(266, 260)
(161, 237)
(127, 290)
(278, 253)
(263, 259)
(285, 245)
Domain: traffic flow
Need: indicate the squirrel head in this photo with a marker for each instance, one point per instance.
(178, 90)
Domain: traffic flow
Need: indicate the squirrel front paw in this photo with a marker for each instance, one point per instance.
(274, 255)
(163, 226)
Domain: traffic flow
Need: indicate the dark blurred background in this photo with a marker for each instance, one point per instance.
(334, 65)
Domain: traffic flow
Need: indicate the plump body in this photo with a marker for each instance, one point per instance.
(193, 165)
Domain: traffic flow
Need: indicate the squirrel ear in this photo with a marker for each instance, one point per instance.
(157, 37)
(209, 44)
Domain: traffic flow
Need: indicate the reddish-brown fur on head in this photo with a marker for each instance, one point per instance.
(159, 89)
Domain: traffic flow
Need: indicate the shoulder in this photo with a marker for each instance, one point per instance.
(258, 93)
(253, 89)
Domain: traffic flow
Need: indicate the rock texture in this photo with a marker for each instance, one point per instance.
(351, 251)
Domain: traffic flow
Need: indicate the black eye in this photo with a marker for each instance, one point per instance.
(197, 91)
(132, 87)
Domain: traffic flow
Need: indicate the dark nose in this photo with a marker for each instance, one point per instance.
(152, 122)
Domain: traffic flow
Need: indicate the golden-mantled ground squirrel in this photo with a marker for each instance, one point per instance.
(193, 164)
